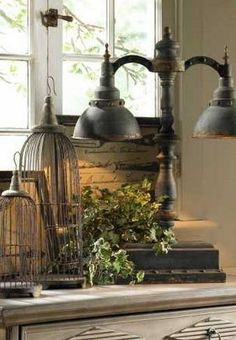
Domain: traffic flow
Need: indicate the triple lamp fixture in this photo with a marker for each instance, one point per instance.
(107, 119)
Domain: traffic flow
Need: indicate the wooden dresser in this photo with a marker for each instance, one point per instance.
(151, 312)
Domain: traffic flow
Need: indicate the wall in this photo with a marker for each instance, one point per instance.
(208, 166)
(109, 165)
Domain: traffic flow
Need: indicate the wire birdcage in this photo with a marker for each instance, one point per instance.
(19, 254)
(50, 173)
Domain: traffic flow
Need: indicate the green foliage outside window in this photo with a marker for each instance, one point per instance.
(83, 33)
(86, 36)
(13, 22)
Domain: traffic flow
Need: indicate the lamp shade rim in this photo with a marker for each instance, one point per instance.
(109, 123)
(216, 122)
(15, 193)
(213, 136)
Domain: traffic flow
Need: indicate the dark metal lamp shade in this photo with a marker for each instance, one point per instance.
(219, 119)
(216, 122)
(107, 118)
(107, 123)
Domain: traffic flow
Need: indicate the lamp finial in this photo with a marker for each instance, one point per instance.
(226, 55)
(167, 32)
(107, 54)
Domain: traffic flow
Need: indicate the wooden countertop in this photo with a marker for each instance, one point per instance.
(57, 305)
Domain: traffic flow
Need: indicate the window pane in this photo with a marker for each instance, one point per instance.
(79, 82)
(86, 34)
(8, 146)
(14, 28)
(137, 87)
(134, 27)
(13, 90)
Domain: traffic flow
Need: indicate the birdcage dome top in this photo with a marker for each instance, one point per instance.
(15, 190)
(48, 121)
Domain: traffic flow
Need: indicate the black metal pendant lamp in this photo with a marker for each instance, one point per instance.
(219, 119)
(107, 118)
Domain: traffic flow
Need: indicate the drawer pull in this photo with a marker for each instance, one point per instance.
(212, 331)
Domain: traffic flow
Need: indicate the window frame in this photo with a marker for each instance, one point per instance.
(110, 38)
(37, 63)
(27, 57)
(37, 66)
(37, 59)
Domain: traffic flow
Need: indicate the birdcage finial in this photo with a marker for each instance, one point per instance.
(17, 153)
(48, 122)
(53, 86)
(15, 186)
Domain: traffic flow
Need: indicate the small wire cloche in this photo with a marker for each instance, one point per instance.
(19, 252)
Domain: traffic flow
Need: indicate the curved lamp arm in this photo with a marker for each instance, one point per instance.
(222, 69)
(132, 59)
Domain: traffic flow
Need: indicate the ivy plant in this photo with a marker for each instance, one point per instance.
(112, 219)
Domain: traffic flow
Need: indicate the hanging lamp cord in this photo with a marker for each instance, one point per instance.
(49, 89)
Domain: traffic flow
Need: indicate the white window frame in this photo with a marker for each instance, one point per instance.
(34, 66)
(28, 58)
(37, 57)
(110, 38)
(37, 65)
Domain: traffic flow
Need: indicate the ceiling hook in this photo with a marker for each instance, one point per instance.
(53, 86)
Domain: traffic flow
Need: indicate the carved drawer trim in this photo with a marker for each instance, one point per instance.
(200, 331)
(95, 333)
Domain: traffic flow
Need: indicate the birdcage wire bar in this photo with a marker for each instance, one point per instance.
(50, 174)
(19, 253)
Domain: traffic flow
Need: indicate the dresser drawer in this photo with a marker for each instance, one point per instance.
(150, 326)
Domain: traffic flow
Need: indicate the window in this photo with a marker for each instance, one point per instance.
(129, 26)
(14, 76)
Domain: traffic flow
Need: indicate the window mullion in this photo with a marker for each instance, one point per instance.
(157, 36)
(38, 66)
(55, 55)
(16, 57)
(38, 71)
(158, 20)
(110, 26)
(83, 57)
(14, 132)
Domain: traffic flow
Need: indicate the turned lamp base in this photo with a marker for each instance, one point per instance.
(184, 276)
(186, 262)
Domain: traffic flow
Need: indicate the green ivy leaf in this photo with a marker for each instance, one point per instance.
(111, 218)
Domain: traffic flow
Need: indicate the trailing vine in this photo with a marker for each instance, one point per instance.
(112, 219)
